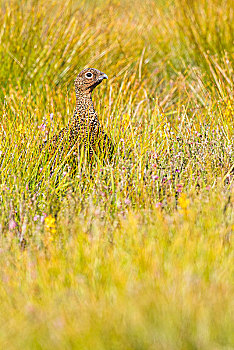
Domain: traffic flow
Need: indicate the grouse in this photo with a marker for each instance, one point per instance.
(83, 131)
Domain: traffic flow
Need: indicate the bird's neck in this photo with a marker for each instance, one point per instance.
(84, 105)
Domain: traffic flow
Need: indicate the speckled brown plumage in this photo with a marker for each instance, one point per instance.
(83, 130)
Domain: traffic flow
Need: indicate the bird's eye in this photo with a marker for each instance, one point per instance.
(89, 75)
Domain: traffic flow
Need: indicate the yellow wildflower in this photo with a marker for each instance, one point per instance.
(228, 112)
(50, 226)
(20, 127)
(183, 201)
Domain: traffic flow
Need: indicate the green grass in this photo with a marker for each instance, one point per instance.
(140, 255)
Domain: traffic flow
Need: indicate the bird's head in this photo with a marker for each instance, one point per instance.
(88, 79)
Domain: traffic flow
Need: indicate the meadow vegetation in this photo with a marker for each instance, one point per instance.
(139, 255)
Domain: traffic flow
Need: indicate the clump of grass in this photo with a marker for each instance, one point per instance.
(138, 255)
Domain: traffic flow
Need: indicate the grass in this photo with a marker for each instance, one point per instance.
(140, 255)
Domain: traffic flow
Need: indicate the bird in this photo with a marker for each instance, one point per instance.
(84, 130)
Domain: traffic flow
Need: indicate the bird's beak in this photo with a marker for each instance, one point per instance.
(103, 76)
